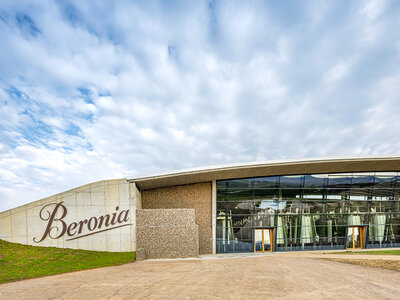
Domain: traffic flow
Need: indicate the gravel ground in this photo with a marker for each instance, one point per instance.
(283, 276)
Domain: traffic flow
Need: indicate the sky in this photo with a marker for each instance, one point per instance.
(93, 90)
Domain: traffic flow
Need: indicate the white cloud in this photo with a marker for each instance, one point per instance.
(374, 8)
(337, 72)
(125, 89)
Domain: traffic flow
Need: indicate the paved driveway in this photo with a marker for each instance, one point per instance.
(287, 276)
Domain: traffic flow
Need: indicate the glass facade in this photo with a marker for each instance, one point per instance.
(310, 212)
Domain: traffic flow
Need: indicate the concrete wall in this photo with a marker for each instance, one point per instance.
(167, 233)
(136, 195)
(197, 196)
(26, 223)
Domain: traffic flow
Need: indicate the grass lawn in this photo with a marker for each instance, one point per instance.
(377, 252)
(393, 265)
(19, 262)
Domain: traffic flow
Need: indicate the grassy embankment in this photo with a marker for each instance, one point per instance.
(19, 262)
(393, 265)
(372, 252)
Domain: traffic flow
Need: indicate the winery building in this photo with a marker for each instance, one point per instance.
(291, 205)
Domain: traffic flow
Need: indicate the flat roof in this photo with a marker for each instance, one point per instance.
(381, 163)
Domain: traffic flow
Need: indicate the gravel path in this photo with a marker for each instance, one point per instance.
(286, 276)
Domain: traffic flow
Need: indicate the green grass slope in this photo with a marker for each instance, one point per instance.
(374, 252)
(19, 262)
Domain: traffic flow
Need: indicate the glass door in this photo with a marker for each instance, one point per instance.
(355, 237)
(264, 240)
(258, 240)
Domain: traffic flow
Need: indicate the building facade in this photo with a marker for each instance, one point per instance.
(308, 204)
(309, 212)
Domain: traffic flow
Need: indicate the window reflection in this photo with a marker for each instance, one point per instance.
(312, 211)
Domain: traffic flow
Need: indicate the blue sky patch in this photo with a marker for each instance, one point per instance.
(27, 25)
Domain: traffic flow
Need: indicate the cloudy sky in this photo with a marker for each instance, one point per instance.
(93, 90)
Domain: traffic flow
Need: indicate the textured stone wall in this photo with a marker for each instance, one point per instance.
(167, 233)
(196, 196)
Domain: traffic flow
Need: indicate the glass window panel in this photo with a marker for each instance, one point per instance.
(291, 182)
(358, 207)
(264, 219)
(355, 219)
(339, 181)
(385, 180)
(220, 207)
(361, 186)
(362, 180)
(336, 195)
(290, 187)
(222, 184)
(385, 206)
(234, 240)
(358, 197)
(242, 220)
(394, 219)
(314, 186)
(396, 207)
(313, 207)
(224, 220)
(239, 208)
(288, 221)
(240, 183)
(383, 194)
(315, 181)
(338, 186)
(219, 232)
(317, 194)
(335, 207)
(360, 194)
(322, 231)
(236, 194)
(395, 229)
(266, 187)
(222, 195)
(397, 184)
(287, 233)
(290, 194)
(266, 193)
(266, 182)
(240, 233)
(265, 206)
(289, 207)
(308, 234)
(337, 220)
(383, 234)
(384, 188)
(312, 217)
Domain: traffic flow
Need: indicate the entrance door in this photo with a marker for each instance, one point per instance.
(355, 237)
(264, 240)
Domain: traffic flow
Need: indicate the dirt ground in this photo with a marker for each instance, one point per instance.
(283, 276)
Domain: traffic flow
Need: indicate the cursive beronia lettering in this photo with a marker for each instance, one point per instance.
(57, 227)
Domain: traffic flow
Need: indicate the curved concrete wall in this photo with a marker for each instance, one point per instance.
(100, 216)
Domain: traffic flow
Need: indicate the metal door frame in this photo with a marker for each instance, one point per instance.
(271, 238)
(363, 231)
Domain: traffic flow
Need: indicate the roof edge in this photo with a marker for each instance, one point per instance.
(257, 164)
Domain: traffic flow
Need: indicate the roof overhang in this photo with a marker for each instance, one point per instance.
(271, 168)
